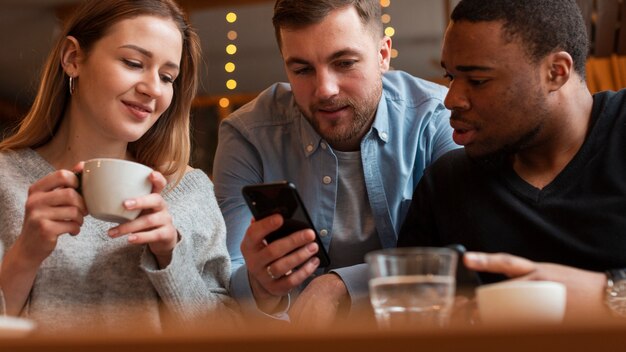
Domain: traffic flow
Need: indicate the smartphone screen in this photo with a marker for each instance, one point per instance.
(282, 197)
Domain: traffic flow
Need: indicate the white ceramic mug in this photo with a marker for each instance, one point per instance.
(521, 302)
(107, 183)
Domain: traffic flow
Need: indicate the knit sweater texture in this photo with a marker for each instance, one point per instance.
(93, 280)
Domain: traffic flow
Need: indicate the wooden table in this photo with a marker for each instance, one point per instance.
(349, 336)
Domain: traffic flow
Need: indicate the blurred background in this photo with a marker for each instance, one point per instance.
(241, 57)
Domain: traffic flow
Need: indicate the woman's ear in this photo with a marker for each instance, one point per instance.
(71, 56)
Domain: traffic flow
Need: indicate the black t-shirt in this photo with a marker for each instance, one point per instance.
(579, 219)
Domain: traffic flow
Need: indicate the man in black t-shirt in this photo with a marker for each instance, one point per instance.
(541, 181)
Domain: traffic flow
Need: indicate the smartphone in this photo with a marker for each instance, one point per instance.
(466, 280)
(282, 197)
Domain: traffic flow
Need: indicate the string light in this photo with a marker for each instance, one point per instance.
(231, 17)
(231, 49)
(224, 102)
(389, 30)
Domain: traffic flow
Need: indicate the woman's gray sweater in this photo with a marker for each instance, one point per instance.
(93, 280)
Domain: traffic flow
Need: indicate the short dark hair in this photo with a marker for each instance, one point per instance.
(300, 13)
(544, 26)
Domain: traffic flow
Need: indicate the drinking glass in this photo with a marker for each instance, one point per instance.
(412, 286)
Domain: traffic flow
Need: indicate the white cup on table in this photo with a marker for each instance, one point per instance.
(516, 302)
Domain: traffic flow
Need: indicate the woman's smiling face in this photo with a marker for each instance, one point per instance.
(125, 83)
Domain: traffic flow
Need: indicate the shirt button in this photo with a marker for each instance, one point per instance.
(323, 145)
(324, 233)
(384, 135)
(309, 148)
(327, 180)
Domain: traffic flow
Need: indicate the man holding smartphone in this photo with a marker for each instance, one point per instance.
(353, 138)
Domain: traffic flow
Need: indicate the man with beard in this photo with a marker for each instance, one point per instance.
(351, 136)
(541, 181)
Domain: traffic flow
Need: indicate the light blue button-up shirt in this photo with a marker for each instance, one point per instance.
(269, 140)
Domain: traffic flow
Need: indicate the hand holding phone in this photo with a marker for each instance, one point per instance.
(282, 197)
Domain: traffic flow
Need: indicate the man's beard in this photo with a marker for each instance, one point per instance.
(363, 114)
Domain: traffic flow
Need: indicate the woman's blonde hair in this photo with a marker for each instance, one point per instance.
(166, 145)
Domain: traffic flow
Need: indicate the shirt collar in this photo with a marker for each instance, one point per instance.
(380, 127)
(311, 140)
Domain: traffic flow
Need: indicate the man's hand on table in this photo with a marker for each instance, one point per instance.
(585, 289)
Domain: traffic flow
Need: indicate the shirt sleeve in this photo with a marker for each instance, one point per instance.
(442, 133)
(356, 278)
(237, 163)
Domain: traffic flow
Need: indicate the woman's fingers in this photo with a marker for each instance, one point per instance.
(144, 223)
(158, 182)
(54, 180)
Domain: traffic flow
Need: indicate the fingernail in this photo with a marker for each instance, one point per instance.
(129, 203)
(132, 238)
(315, 261)
(312, 247)
(471, 257)
(113, 232)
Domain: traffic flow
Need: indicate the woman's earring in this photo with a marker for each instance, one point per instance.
(72, 85)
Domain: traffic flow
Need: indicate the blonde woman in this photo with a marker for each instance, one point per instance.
(118, 83)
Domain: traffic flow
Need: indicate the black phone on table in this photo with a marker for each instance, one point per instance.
(466, 280)
(265, 199)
